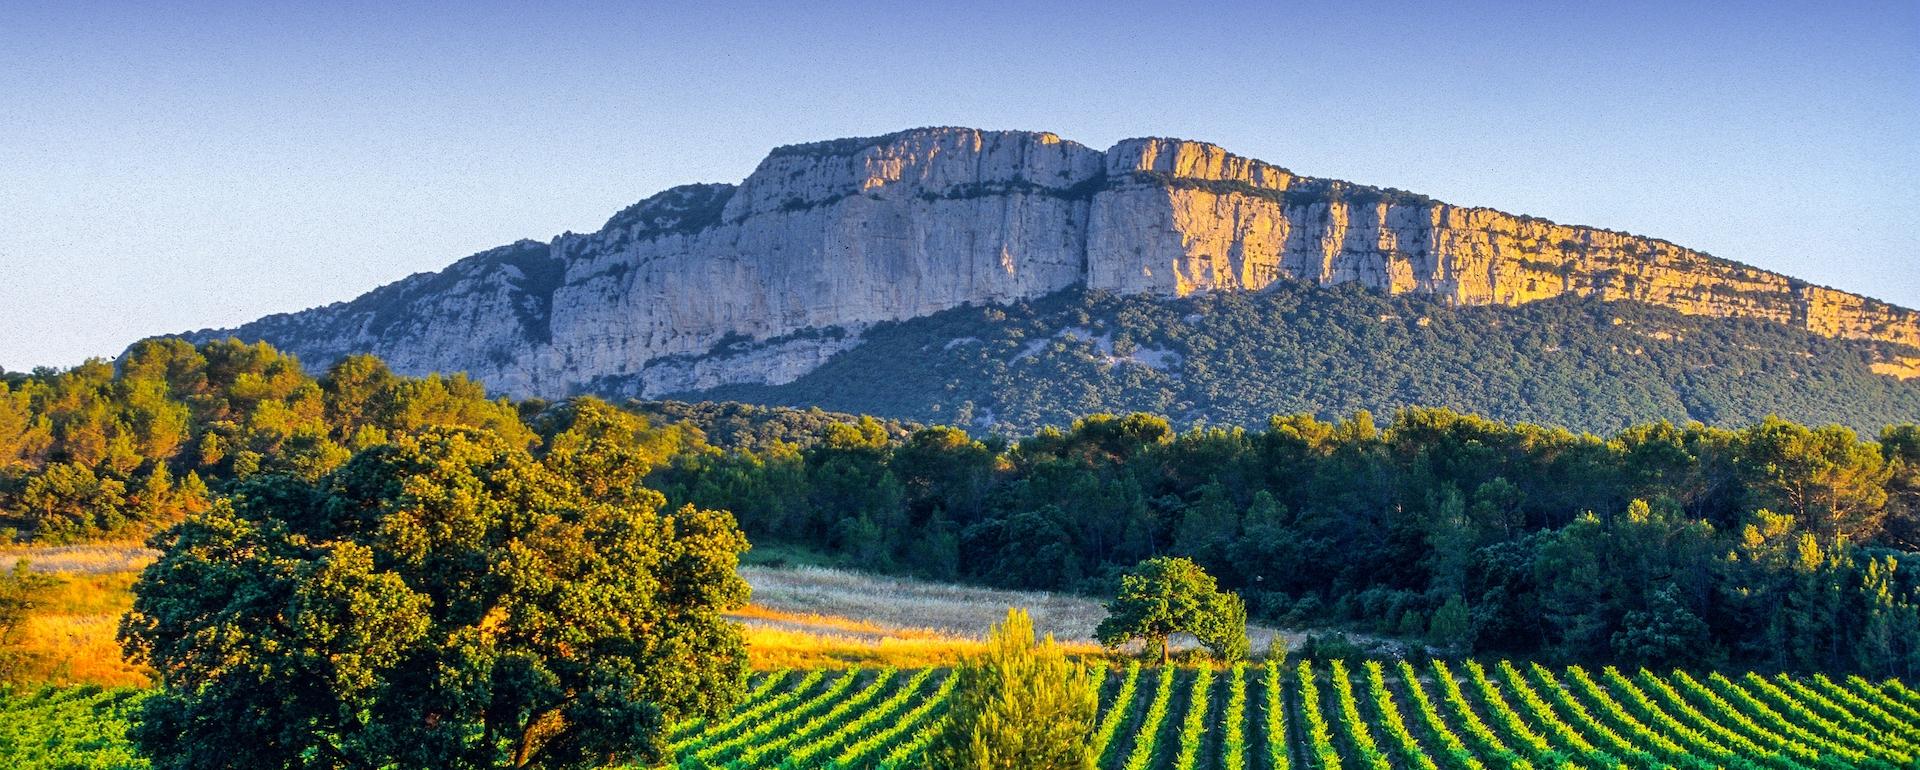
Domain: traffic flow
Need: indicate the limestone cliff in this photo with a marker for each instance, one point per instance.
(706, 285)
(1177, 217)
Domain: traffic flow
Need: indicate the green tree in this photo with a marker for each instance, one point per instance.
(1451, 538)
(945, 469)
(445, 601)
(1832, 483)
(68, 502)
(1664, 634)
(1901, 445)
(24, 434)
(1595, 571)
(1019, 706)
(857, 501)
(357, 392)
(607, 449)
(1223, 628)
(1208, 526)
(1452, 625)
(20, 591)
(1029, 549)
(1164, 596)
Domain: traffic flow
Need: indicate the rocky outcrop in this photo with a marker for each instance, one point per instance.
(1178, 217)
(1899, 367)
(708, 285)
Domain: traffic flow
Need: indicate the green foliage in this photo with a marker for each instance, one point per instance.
(1824, 477)
(1664, 634)
(1391, 527)
(20, 591)
(1485, 716)
(1901, 526)
(1597, 578)
(1223, 631)
(1273, 701)
(731, 425)
(1020, 705)
(79, 728)
(1452, 626)
(1147, 739)
(441, 601)
(118, 450)
(1168, 595)
(1235, 358)
(1109, 726)
(1472, 534)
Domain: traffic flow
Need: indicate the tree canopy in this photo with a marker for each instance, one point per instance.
(1237, 358)
(117, 450)
(20, 593)
(444, 600)
(1477, 535)
(1481, 535)
(1164, 596)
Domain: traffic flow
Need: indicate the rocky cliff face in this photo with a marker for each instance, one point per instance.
(706, 285)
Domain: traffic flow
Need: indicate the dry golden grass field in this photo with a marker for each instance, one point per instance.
(804, 615)
(801, 617)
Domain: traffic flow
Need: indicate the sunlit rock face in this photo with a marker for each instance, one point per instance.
(840, 234)
(706, 285)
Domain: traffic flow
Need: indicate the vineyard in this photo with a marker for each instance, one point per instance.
(1325, 716)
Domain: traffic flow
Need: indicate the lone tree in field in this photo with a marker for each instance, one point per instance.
(1166, 595)
(19, 594)
(1020, 706)
(446, 601)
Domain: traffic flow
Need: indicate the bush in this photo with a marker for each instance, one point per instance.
(1333, 646)
(19, 593)
(1022, 705)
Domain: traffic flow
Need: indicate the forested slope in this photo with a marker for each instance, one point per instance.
(1237, 358)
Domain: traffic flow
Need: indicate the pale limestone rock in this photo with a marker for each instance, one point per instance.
(1900, 368)
(705, 285)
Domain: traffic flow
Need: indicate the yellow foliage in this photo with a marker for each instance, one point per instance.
(70, 638)
(778, 640)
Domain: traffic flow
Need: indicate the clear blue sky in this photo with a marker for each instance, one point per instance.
(203, 165)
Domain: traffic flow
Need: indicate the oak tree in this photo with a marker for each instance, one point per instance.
(444, 601)
(1163, 596)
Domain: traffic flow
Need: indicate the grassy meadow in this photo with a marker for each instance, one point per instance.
(803, 616)
(69, 637)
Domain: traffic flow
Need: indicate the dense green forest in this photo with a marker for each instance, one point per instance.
(1236, 358)
(1774, 545)
(105, 449)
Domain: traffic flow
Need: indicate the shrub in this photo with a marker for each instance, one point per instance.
(1022, 705)
(19, 593)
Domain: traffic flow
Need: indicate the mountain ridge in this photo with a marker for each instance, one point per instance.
(709, 285)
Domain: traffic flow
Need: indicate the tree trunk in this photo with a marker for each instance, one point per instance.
(1164, 655)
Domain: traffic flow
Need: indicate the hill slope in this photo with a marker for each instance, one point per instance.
(1238, 358)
